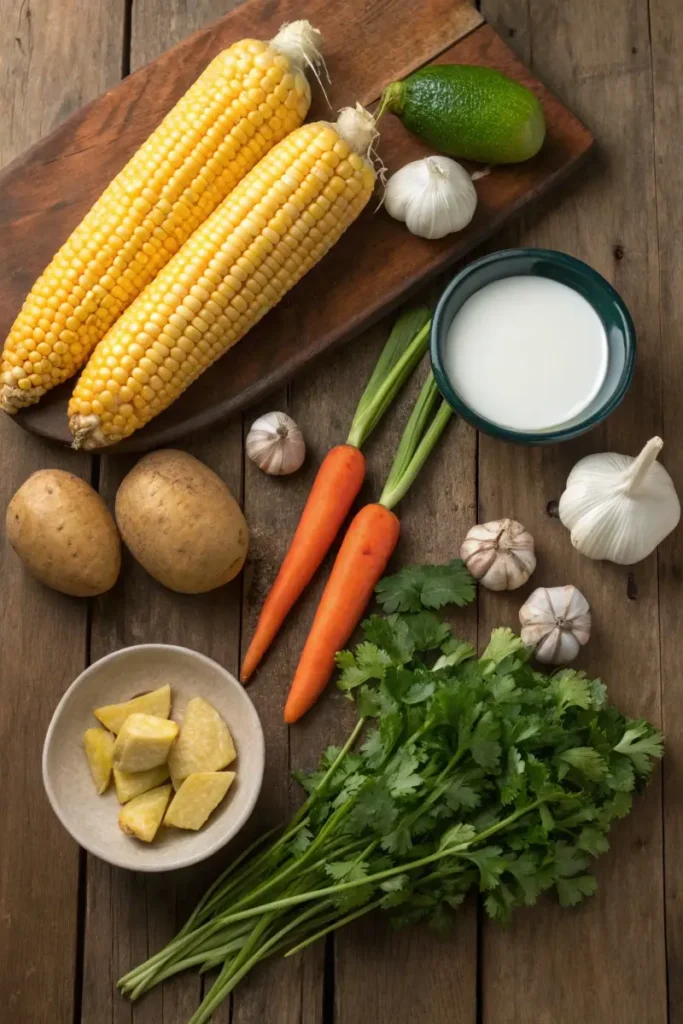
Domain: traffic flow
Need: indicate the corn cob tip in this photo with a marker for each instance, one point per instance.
(12, 399)
(87, 432)
(357, 127)
(301, 43)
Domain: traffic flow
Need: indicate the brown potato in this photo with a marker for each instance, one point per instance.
(64, 533)
(181, 522)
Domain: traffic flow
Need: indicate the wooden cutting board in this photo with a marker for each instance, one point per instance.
(45, 193)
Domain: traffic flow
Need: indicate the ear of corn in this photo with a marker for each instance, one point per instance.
(276, 224)
(250, 96)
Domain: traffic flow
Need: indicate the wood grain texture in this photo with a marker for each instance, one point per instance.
(531, 972)
(368, 271)
(129, 916)
(667, 73)
(42, 634)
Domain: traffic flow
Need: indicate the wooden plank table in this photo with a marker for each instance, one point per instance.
(70, 925)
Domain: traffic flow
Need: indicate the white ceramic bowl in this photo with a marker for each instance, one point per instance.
(92, 819)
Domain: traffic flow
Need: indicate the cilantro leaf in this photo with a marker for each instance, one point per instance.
(584, 760)
(427, 586)
(398, 841)
(491, 865)
(420, 691)
(512, 782)
(373, 749)
(404, 780)
(454, 653)
(392, 635)
(457, 837)
(641, 742)
(427, 631)
(571, 891)
(448, 584)
(462, 795)
(569, 860)
(484, 744)
(499, 903)
(346, 871)
(621, 775)
(502, 645)
(368, 662)
(593, 841)
(571, 690)
(301, 841)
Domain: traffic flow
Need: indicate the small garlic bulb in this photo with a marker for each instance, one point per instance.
(556, 623)
(275, 444)
(434, 196)
(499, 554)
(618, 507)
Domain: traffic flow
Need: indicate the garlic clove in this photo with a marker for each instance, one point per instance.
(499, 554)
(275, 444)
(557, 648)
(556, 623)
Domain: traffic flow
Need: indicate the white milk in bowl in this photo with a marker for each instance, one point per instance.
(526, 353)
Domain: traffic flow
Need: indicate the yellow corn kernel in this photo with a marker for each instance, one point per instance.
(204, 146)
(216, 307)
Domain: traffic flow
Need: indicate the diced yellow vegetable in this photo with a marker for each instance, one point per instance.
(273, 227)
(204, 743)
(143, 742)
(156, 702)
(198, 796)
(132, 784)
(142, 816)
(99, 749)
(248, 98)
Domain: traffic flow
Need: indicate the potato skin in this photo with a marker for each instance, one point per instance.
(181, 523)
(64, 534)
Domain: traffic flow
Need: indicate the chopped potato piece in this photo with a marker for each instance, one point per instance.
(204, 744)
(143, 743)
(156, 702)
(132, 784)
(142, 816)
(198, 796)
(99, 749)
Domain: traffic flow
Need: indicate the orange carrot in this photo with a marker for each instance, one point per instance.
(363, 556)
(362, 559)
(338, 481)
(334, 491)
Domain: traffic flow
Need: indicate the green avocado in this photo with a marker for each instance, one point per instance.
(468, 111)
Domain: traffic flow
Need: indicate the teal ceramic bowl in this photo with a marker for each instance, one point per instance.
(616, 319)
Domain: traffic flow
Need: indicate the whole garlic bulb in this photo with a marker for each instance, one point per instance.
(275, 444)
(499, 554)
(556, 623)
(434, 196)
(618, 507)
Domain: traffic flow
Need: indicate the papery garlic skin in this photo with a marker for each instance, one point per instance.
(275, 444)
(434, 196)
(618, 507)
(499, 554)
(556, 623)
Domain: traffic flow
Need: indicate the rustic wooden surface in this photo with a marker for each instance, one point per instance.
(44, 193)
(70, 925)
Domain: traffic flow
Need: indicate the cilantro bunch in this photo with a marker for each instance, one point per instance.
(463, 774)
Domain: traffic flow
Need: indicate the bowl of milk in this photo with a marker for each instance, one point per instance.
(532, 345)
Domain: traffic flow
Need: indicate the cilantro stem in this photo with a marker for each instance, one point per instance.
(380, 876)
(221, 989)
(339, 923)
(392, 370)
